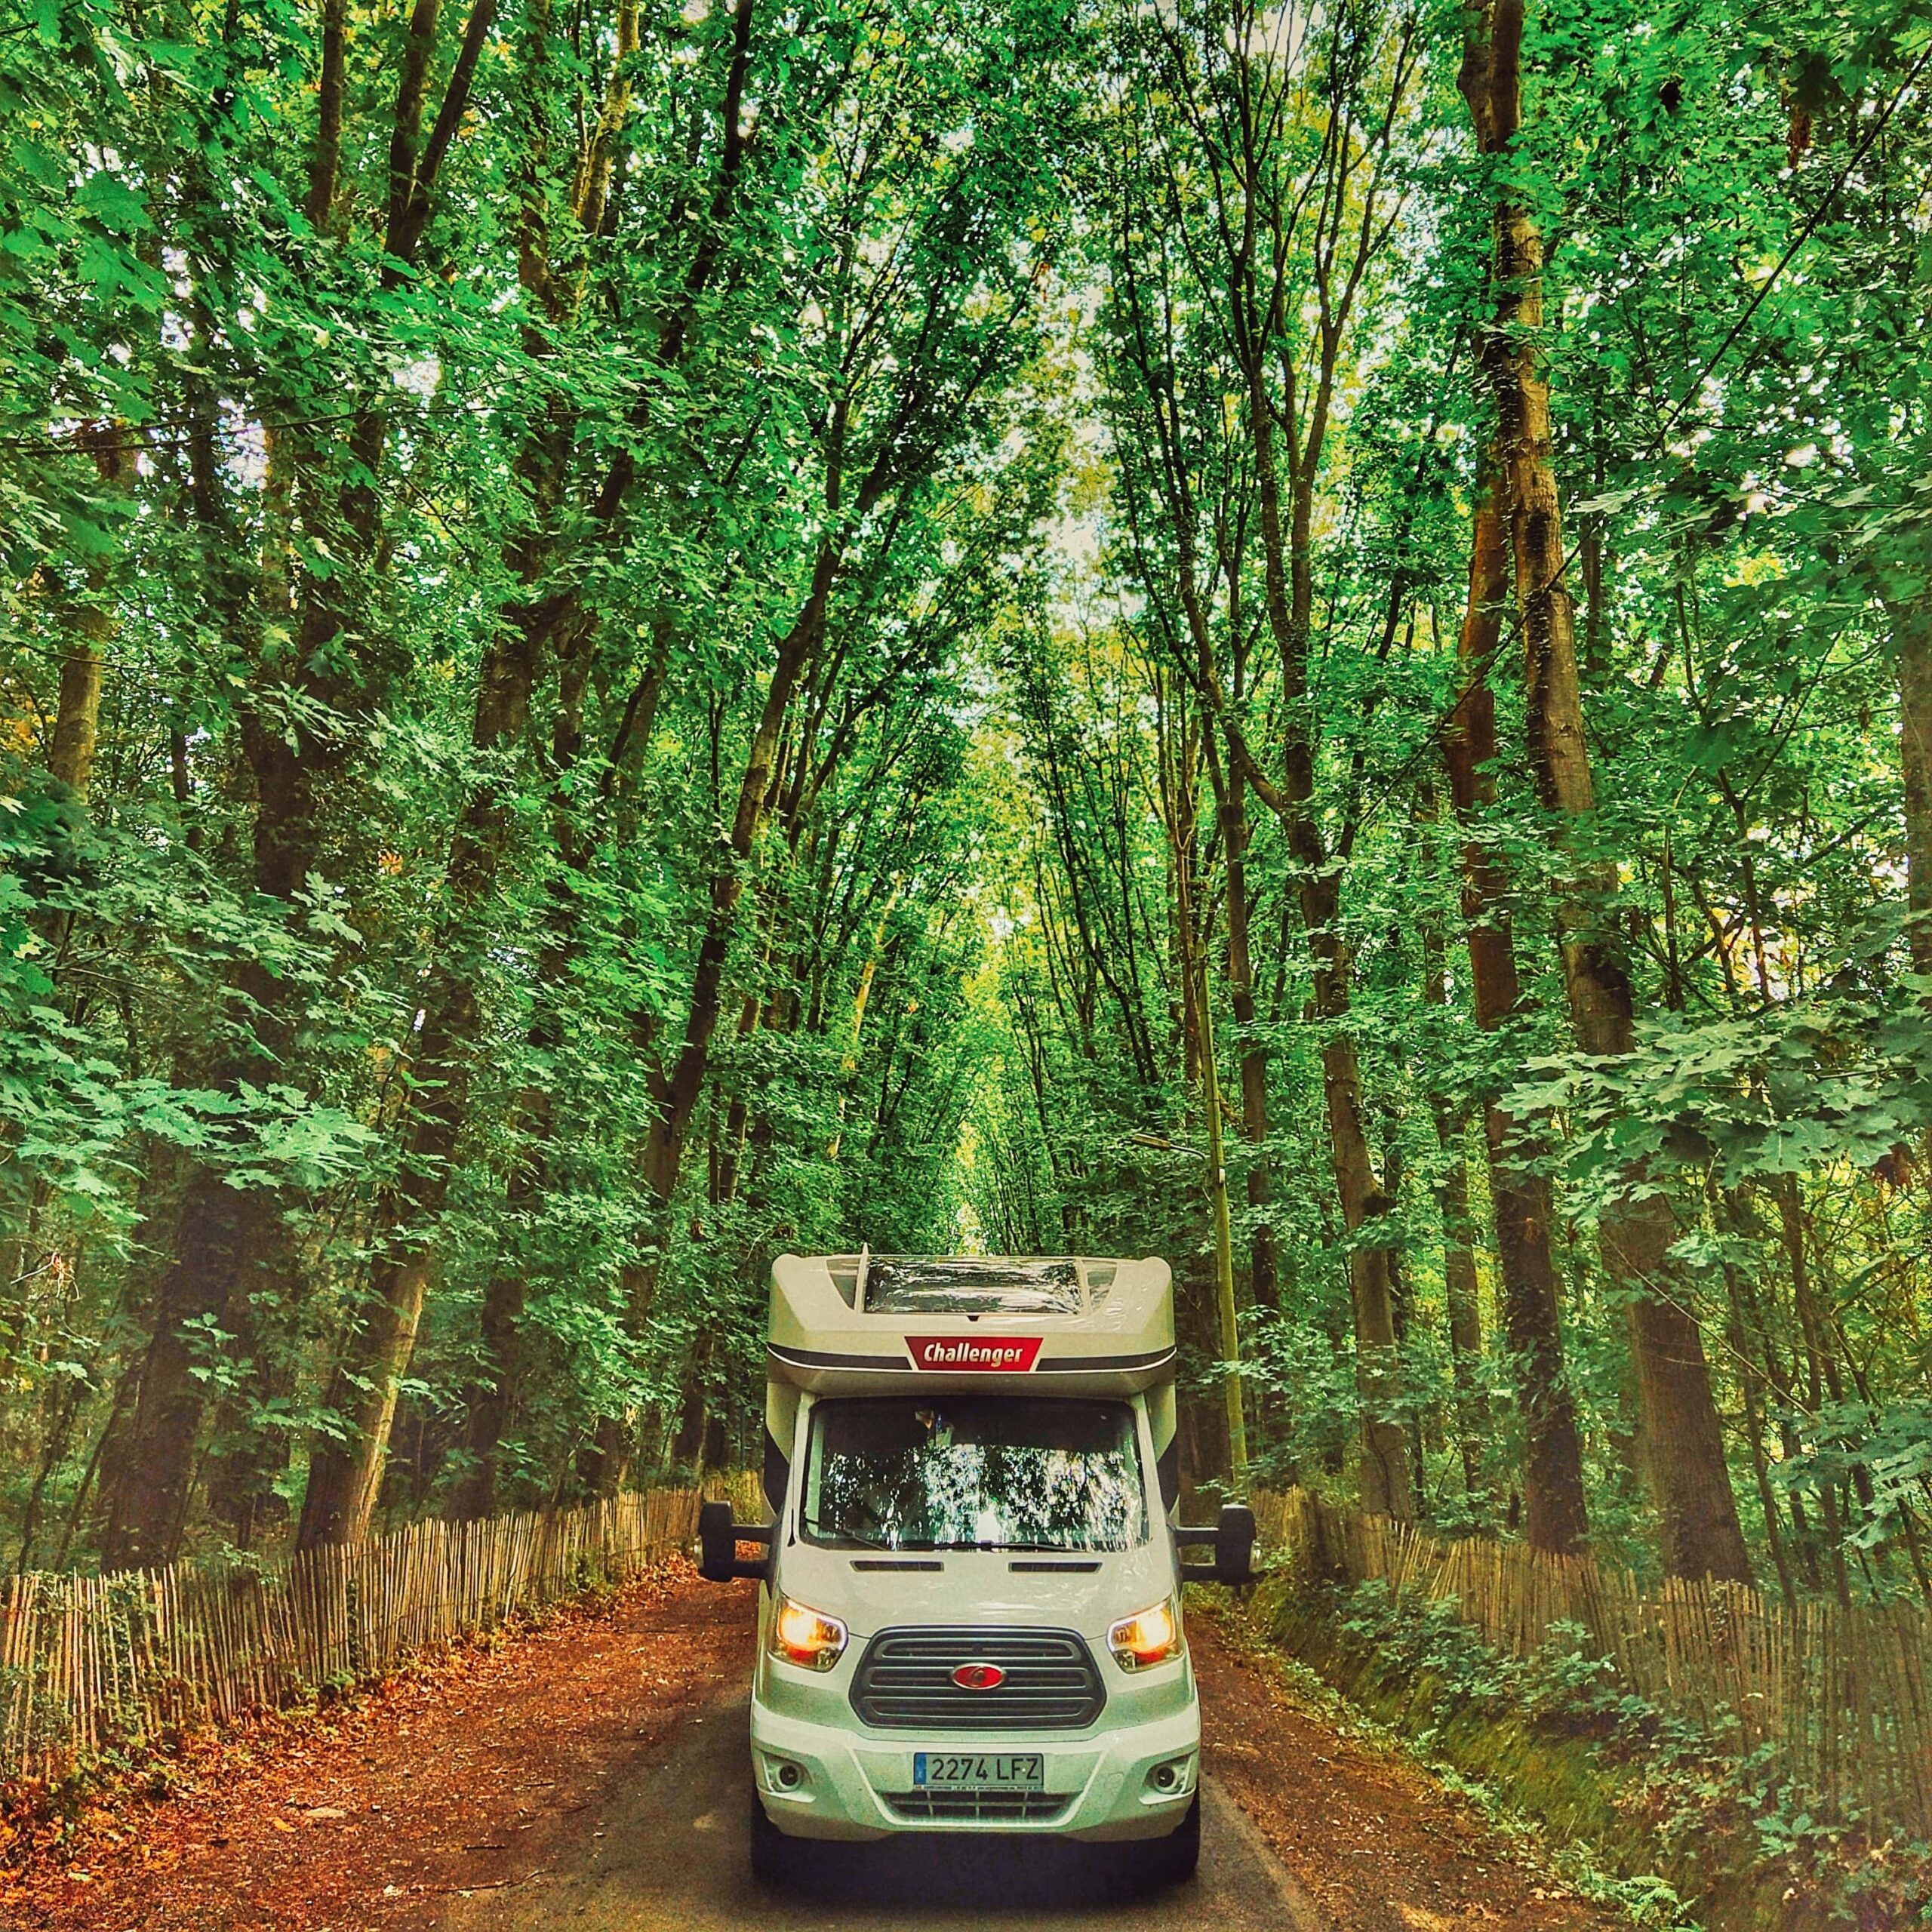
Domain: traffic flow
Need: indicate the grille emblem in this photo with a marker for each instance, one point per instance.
(978, 1677)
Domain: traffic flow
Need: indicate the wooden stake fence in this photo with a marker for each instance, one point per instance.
(1838, 1698)
(91, 1665)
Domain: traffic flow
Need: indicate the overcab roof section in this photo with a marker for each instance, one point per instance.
(853, 1324)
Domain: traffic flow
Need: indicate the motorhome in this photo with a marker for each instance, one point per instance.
(971, 1614)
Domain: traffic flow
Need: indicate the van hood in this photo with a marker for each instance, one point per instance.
(870, 1591)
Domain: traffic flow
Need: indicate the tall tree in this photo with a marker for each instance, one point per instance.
(1683, 1440)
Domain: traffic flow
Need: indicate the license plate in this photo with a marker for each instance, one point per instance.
(979, 1770)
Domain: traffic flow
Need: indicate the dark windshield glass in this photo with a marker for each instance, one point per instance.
(974, 1472)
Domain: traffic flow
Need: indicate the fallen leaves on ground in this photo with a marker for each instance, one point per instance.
(367, 1813)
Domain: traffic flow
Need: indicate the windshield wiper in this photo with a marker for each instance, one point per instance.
(1056, 1549)
(834, 1534)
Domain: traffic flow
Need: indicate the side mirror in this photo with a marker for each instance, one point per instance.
(1233, 1545)
(718, 1537)
(1233, 1541)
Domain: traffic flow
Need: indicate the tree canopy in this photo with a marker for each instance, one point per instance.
(1297, 637)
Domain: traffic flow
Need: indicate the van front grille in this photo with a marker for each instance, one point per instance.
(1028, 1807)
(904, 1681)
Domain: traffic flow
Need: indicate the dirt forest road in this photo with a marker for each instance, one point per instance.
(672, 1855)
(592, 1775)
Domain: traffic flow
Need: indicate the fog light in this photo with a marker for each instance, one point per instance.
(787, 1776)
(1167, 1780)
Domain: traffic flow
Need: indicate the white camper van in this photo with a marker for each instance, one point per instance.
(970, 1618)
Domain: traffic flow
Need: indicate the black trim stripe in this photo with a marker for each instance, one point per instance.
(899, 1365)
(815, 1359)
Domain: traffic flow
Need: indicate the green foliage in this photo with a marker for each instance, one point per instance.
(712, 688)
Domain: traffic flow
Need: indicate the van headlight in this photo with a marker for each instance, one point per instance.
(1148, 1637)
(806, 1637)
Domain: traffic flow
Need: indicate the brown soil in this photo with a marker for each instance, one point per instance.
(469, 1776)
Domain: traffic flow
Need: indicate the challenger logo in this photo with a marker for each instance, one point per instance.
(993, 1354)
(978, 1677)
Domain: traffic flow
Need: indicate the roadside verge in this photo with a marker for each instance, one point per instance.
(1631, 1804)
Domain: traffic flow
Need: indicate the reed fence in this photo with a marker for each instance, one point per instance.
(1838, 1698)
(91, 1666)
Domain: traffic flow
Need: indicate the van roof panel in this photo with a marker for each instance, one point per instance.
(859, 1324)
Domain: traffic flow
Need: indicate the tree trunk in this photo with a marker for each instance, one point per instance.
(848, 1061)
(1387, 1483)
(345, 1477)
(677, 1093)
(1556, 1513)
(77, 720)
(1201, 1412)
(1685, 1456)
(230, 1244)
(70, 761)
(1193, 964)
(70, 757)
(1728, 1208)
(1251, 1056)
(1461, 1289)
(1913, 626)
(491, 1399)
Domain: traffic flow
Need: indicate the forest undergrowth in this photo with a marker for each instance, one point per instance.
(1677, 1828)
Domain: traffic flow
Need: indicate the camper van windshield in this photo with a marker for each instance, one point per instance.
(974, 1473)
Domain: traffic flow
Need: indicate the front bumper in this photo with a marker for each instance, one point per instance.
(1098, 1784)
